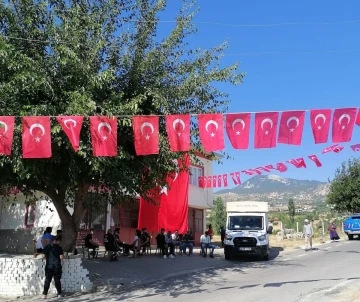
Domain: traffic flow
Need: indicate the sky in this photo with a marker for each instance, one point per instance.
(302, 74)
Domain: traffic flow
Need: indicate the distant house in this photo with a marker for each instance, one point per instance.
(21, 223)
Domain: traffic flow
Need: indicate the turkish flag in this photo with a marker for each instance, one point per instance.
(174, 202)
(248, 172)
(211, 130)
(209, 182)
(315, 159)
(265, 129)
(265, 169)
(343, 124)
(238, 129)
(338, 149)
(71, 125)
(298, 163)
(256, 171)
(178, 130)
(270, 167)
(281, 167)
(201, 181)
(36, 137)
(291, 127)
(320, 124)
(357, 122)
(7, 124)
(219, 181)
(103, 133)
(225, 180)
(355, 148)
(146, 134)
(214, 181)
(236, 178)
(329, 149)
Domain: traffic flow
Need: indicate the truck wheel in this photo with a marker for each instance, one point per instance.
(266, 257)
(351, 237)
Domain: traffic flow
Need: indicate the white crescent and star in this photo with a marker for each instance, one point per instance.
(70, 121)
(267, 120)
(181, 122)
(5, 126)
(342, 117)
(241, 121)
(164, 190)
(106, 125)
(320, 115)
(147, 124)
(290, 119)
(41, 127)
(211, 122)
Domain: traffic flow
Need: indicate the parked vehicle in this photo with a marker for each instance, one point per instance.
(247, 229)
(352, 226)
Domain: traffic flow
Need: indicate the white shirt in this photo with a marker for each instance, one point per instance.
(39, 244)
(136, 241)
(205, 239)
(173, 237)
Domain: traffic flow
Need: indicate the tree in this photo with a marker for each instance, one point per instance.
(344, 190)
(90, 57)
(291, 209)
(218, 215)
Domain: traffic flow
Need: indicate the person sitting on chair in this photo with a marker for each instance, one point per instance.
(188, 241)
(205, 242)
(145, 240)
(90, 244)
(176, 239)
(161, 243)
(170, 244)
(121, 244)
(111, 246)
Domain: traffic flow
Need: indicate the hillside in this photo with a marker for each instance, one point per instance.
(277, 190)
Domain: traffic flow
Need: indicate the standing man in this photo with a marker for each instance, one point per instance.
(308, 234)
(53, 254)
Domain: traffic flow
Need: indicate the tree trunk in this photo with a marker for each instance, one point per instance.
(69, 234)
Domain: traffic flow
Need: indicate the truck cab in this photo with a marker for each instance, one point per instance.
(247, 229)
(352, 226)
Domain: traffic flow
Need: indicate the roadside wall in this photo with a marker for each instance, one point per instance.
(25, 277)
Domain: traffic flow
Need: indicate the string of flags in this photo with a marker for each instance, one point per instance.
(221, 180)
(269, 130)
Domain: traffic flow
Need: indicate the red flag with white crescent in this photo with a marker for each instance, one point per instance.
(7, 124)
(298, 163)
(71, 125)
(320, 124)
(178, 130)
(265, 129)
(225, 180)
(238, 129)
(219, 181)
(315, 159)
(211, 130)
(214, 181)
(36, 137)
(291, 127)
(343, 124)
(146, 134)
(281, 167)
(103, 132)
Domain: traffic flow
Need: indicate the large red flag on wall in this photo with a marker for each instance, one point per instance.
(6, 134)
(71, 125)
(103, 132)
(211, 130)
(36, 137)
(146, 134)
(238, 129)
(265, 129)
(178, 130)
(173, 212)
(320, 124)
(291, 127)
(343, 124)
(149, 212)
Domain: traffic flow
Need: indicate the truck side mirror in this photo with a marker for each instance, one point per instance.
(270, 229)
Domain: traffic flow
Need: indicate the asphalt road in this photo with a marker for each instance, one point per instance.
(329, 273)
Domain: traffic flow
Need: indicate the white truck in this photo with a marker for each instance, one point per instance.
(247, 229)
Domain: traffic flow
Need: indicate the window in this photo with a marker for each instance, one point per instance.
(195, 173)
(30, 216)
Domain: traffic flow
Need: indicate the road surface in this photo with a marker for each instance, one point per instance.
(329, 273)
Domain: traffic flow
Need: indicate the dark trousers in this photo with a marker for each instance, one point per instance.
(125, 246)
(49, 274)
(171, 246)
(93, 247)
(164, 249)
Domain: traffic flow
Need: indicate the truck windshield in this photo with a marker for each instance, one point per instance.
(246, 223)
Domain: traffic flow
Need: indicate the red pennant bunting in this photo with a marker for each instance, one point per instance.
(281, 167)
(211, 130)
(225, 180)
(265, 169)
(338, 149)
(209, 182)
(219, 181)
(315, 159)
(256, 171)
(214, 181)
(103, 132)
(320, 124)
(248, 172)
(355, 148)
(71, 125)
(178, 130)
(7, 124)
(146, 134)
(330, 149)
(343, 124)
(270, 167)
(291, 127)
(238, 130)
(265, 129)
(357, 121)
(201, 181)
(36, 137)
(298, 163)
(236, 178)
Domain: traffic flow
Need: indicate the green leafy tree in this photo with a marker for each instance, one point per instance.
(291, 209)
(90, 57)
(344, 191)
(218, 215)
